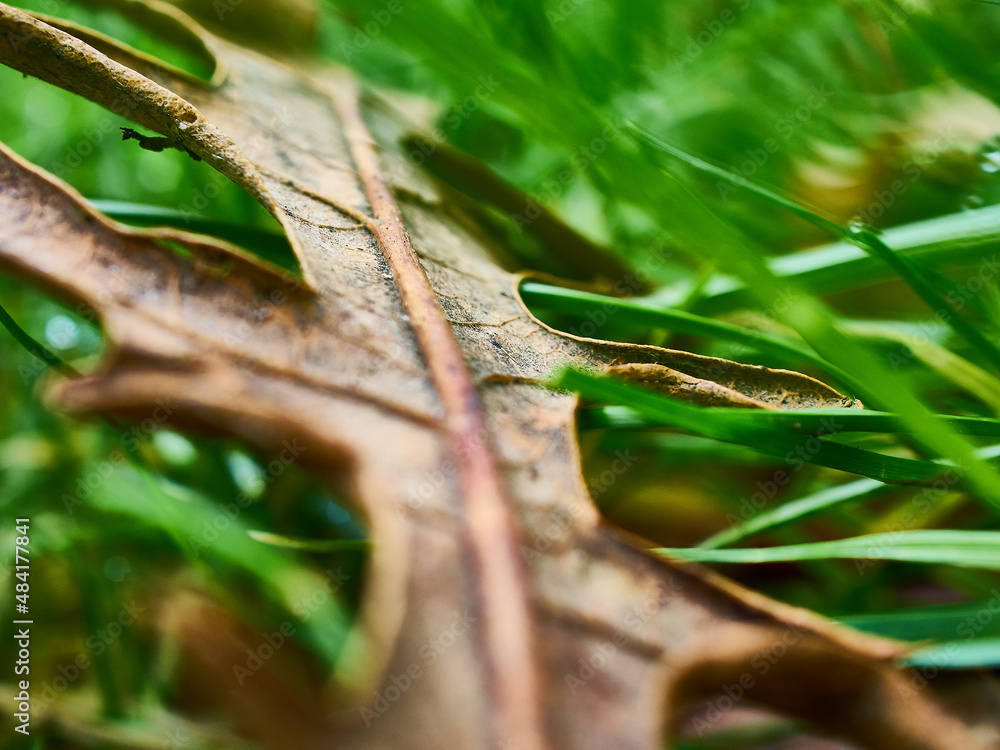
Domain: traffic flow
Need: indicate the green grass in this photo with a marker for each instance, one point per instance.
(971, 549)
(795, 437)
(676, 153)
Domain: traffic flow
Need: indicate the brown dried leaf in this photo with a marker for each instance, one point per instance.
(411, 377)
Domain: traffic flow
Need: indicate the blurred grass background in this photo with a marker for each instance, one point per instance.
(879, 112)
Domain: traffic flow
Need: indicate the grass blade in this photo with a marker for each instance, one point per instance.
(309, 545)
(270, 245)
(940, 623)
(810, 505)
(969, 549)
(919, 282)
(981, 652)
(135, 493)
(818, 326)
(799, 421)
(728, 425)
(945, 241)
(796, 510)
(858, 234)
(812, 215)
(960, 371)
(34, 348)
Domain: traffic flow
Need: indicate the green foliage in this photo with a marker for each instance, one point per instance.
(972, 549)
(861, 110)
(870, 111)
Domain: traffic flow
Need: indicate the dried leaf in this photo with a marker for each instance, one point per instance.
(498, 611)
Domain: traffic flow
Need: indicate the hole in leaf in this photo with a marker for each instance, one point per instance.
(125, 518)
(80, 142)
(718, 724)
